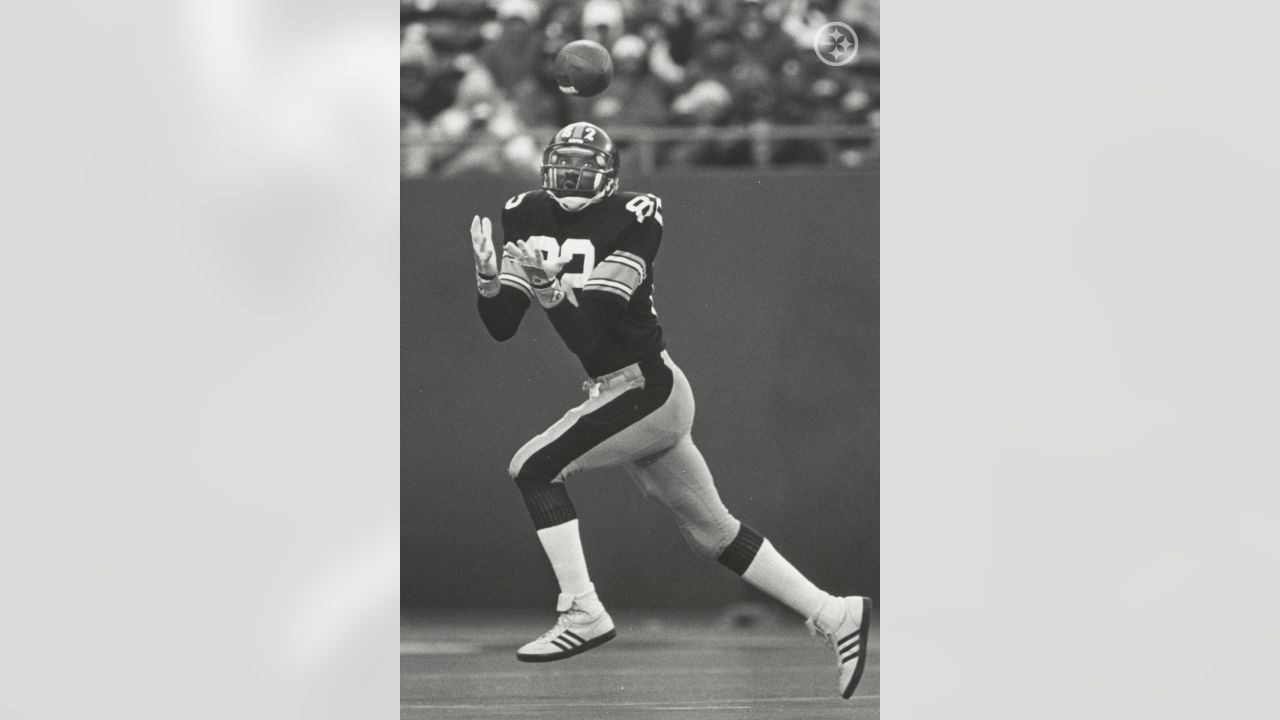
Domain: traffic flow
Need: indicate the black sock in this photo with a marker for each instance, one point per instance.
(738, 556)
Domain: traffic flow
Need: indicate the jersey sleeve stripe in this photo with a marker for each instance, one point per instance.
(516, 282)
(630, 256)
(618, 272)
(608, 285)
(611, 290)
(637, 266)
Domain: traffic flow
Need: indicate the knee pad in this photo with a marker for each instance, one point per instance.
(548, 502)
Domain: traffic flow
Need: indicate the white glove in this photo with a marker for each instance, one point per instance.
(486, 261)
(543, 272)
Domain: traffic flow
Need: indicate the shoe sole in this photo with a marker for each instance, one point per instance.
(593, 642)
(864, 636)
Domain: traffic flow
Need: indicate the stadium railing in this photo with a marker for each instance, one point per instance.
(645, 142)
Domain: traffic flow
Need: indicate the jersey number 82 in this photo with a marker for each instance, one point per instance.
(566, 250)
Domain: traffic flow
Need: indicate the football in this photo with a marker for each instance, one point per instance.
(583, 68)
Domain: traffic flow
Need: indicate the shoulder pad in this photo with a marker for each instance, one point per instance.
(514, 202)
(644, 206)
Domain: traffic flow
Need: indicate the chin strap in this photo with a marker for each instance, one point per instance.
(568, 202)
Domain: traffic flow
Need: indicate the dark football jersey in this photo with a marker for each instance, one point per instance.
(611, 247)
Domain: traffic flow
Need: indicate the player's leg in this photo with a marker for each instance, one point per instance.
(679, 480)
(583, 622)
(627, 418)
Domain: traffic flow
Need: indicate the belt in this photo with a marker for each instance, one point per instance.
(628, 374)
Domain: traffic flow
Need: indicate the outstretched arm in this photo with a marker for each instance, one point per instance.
(502, 301)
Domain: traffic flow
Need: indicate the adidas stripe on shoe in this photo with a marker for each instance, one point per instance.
(583, 624)
(848, 634)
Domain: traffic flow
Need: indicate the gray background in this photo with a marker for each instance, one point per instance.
(768, 293)
(1078, 375)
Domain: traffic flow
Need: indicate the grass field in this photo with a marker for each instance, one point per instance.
(455, 667)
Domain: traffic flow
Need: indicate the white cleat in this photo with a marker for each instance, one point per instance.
(848, 629)
(583, 624)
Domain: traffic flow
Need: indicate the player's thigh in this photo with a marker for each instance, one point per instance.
(553, 433)
(651, 433)
(618, 426)
(607, 430)
(636, 434)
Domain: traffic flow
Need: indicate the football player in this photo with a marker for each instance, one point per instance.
(584, 251)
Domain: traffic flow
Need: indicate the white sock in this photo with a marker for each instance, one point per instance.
(564, 549)
(777, 578)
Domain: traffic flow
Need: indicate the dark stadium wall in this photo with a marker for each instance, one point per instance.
(767, 288)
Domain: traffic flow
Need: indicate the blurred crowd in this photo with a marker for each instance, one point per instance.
(477, 87)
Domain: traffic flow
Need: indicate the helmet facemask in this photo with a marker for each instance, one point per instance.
(576, 177)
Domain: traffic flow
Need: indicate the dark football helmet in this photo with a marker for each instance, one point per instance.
(580, 166)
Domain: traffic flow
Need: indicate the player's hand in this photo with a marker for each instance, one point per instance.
(542, 271)
(482, 247)
(486, 261)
